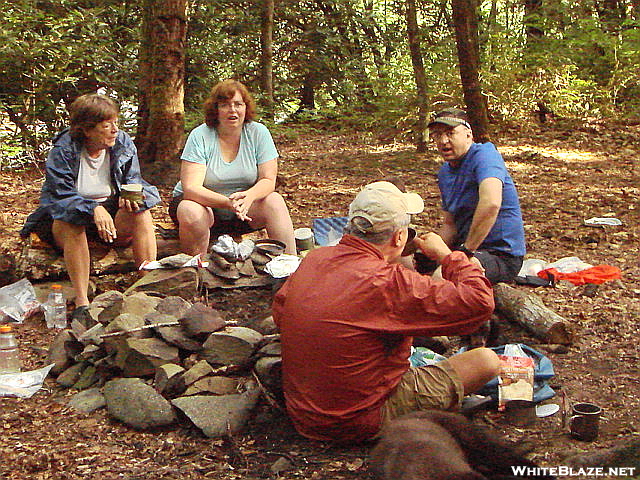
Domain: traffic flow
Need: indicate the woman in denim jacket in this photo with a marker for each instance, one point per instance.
(80, 198)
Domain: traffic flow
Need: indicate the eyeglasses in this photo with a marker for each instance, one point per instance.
(229, 105)
(108, 124)
(442, 134)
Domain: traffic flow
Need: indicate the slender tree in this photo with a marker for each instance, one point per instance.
(419, 74)
(465, 20)
(266, 57)
(160, 134)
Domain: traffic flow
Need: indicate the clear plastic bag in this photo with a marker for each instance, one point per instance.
(569, 265)
(18, 300)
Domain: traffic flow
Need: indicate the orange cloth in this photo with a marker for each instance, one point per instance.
(598, 274)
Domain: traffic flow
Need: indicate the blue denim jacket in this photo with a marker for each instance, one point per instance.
(60, 199)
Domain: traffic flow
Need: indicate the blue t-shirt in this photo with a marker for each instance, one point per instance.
(459, 193)
(256, 147)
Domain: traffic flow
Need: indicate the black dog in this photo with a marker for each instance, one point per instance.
(433, 445)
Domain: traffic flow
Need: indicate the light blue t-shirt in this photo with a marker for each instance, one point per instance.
(256, 147)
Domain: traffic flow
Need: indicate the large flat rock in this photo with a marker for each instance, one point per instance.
(135, 403)
(219, 415)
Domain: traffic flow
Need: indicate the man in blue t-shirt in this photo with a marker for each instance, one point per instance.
(482, 215)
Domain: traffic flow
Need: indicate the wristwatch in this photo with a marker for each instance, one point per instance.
(465, 250)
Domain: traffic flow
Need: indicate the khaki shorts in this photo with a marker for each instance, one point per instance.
(422, 388)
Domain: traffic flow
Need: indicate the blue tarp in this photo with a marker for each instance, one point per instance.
(322, 227)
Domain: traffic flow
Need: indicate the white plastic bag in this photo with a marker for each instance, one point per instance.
(282, 266)
(23, 384)
(569, 265)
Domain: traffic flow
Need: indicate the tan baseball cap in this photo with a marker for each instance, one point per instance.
(383, 204)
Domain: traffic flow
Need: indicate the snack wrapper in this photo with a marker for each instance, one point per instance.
(515, 381)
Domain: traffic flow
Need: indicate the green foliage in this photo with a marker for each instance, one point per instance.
(351, 54)
(51, 52)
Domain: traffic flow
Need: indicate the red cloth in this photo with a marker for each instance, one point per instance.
(346, 319)
(598, 274)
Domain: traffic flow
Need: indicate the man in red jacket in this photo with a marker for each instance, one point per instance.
(348, 314)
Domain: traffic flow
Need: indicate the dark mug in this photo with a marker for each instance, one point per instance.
(520, 412)
(409, 247)
(584, 421)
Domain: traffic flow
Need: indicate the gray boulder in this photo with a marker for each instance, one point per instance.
(88, 400)
(135, 403)
(59, 351)
(139, 304)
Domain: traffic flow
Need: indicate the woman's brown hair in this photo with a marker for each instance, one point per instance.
(224, 91)
(89, 110)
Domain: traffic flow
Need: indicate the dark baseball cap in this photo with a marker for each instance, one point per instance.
(451, 117)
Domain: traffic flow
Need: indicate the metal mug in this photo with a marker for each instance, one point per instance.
(584, 421)
(132, 192)
(304, 238)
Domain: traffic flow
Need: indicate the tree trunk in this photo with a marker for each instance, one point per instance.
(532, 20)
(266, 58)
(465, 20)
(413, 36)
(611, 13)
(341, 20)
(635, 11)
(307, 94)
(160, 135)
(376, 41)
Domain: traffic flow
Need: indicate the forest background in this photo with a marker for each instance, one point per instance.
(346, 87)
(361, 64)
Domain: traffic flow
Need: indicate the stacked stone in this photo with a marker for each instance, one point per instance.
(146, 357)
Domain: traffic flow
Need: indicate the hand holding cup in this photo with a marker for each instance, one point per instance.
(132, 195)
(432, 246)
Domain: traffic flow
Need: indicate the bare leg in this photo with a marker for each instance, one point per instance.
(272, 212)
(73, 241)
(475, 367)
(195, 221)
(137, 228)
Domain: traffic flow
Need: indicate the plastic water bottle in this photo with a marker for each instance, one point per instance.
(55, 312)
(9, 354)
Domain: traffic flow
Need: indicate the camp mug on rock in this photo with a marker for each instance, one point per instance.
(584, 421)
(304, 238)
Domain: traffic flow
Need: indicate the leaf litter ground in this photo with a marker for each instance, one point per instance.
(565, 174)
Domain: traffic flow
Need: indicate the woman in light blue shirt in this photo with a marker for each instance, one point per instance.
(228, 175)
